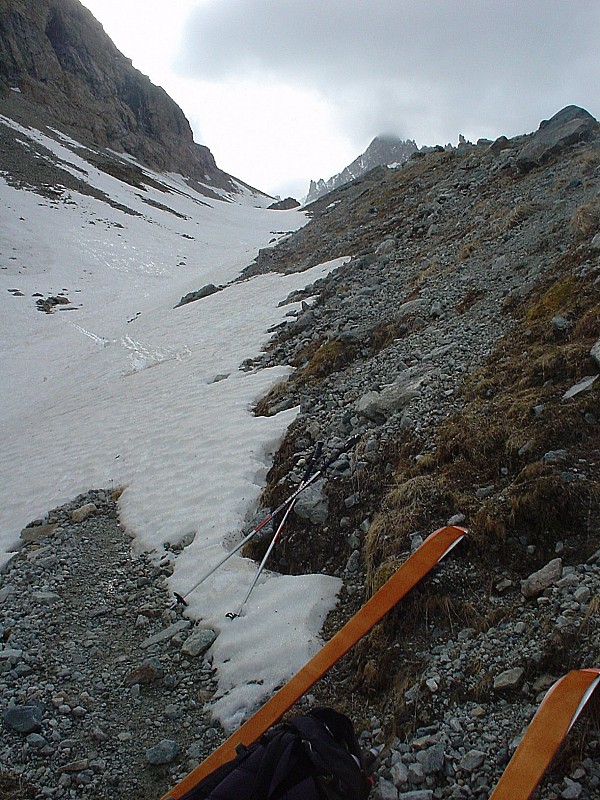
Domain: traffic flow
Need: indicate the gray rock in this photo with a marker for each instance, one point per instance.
(45, 598)
(5, 592)
(198, 642)
(509, 679)
(500, 145)
(538, 581)
(385, 790)
(35, 740)
(166, 633)
(23, 719)
(554, 456)
(582, 386)
(199, 294)
(416, 773)
(379, 406)
(83, 512)
(353, 562)
(165, 752)
(410, 307)
(399, 774)
(420, 794)
(560, 324)
(472, 760)
(572, 790)
(36, 533)
(432, 759)
(312, 504)
(148, 672)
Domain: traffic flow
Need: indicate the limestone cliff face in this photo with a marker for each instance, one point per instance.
(59, 56)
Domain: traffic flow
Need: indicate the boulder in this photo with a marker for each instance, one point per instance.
(509, 679)
(198, 642)
(569, 126)
(83, 512)
(164, 752)
(191, 297)
(538, 581)
(379, 406)
(312, 504)
(284, 205)
(23, 719)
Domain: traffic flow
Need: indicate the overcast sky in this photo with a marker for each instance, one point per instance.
(283, 91)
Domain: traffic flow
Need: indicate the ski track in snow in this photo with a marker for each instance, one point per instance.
(122, 391)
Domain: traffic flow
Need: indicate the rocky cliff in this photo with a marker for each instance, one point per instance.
(56, 54)
(383, 151)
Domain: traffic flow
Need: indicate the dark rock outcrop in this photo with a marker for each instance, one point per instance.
(569, 126)
(58, 55)
(284, 205)
(199, 294)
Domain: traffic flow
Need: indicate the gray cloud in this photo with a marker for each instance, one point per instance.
(427, 69)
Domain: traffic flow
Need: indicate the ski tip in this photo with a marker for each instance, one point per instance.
(180, 599)
(231, 615)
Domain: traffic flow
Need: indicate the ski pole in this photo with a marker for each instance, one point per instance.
(315, 457)
(180, 599)
(232, 614)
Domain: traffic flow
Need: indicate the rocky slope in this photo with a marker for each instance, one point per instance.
(60, 59)
(461, 344)
(383, 151)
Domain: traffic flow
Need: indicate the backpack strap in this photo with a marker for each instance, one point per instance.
(278, 767)
(333, 750)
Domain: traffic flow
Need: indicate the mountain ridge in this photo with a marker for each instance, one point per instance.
(57, 56)
(384, 150)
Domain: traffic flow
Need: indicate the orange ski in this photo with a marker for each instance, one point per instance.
(553, 720)
(433, 549)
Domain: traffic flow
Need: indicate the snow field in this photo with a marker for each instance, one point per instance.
(122, 391)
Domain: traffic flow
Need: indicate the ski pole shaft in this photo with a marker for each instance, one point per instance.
(262, 563)
(306, 481)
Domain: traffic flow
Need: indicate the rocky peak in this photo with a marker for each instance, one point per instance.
(59, 57)
(384, 150)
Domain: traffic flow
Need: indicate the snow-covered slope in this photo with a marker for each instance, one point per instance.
(118, 387)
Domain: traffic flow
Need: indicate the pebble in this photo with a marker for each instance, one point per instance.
(89, 690)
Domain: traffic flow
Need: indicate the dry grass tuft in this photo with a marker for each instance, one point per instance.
(589, 160)
(330, 357)
(15, 787)
(556, 299)
(585, 222)
(520, 213)
(267, 405)
(467, 250)
(414, 505)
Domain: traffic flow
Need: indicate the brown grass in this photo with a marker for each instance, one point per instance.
(330, 357)
(557, 298)
(520, 213)
(585, 222)
(413, 505)
(15, 787)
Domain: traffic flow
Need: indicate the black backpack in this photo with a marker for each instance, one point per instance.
(312, 757)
